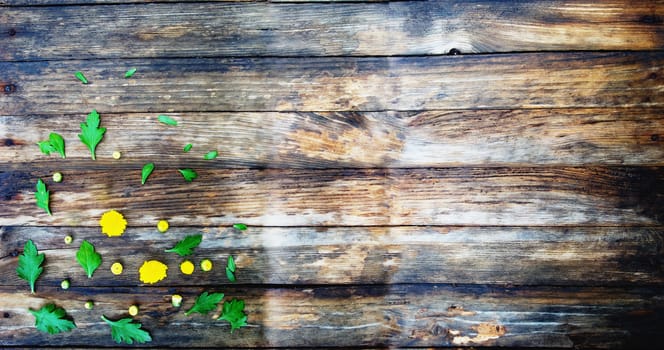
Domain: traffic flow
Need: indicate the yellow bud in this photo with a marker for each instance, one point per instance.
(206, 265)
(176, 300)
(68, 239)
(187, 267)
(116, 268)
(117, 155)
(162, 226)
(133, 310)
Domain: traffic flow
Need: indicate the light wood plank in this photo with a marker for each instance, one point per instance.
(512, 81)
(407, 316)
(332, 197)
(351, 139)
(269, 29)
(354, 255)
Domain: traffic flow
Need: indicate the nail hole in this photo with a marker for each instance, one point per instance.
(9, 88)
(14, 253)
(7, 315)
(9, 142)
(12, 32)
(454, 52)
(654, 137)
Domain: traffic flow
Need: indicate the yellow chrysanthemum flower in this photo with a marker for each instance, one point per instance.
(162, 226)
(152, 271)
(116, 268)
(112, 223)
(187, 267)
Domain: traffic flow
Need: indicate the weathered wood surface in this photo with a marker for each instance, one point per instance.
(330, 197)
(599, 256)
(268, 29)
(388, 315)
(547, 80)
(351, 139)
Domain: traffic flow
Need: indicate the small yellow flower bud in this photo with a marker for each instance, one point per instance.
(68, 239)
(64, 284)
(162, 226)
(89, 305)
(133, 310)
(187, 267)
(57, 177)
(206, 265)
(176, 300)
(117, 155)
(116, 268)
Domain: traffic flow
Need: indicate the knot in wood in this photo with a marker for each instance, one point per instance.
(9, 88)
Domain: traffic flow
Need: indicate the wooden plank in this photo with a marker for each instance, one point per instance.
(269, 29)
(332, 197)
(513, 81)
(398, 315)
(355, 255)
(352, 139)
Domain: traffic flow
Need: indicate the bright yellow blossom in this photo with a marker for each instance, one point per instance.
(162, 226)
(152, 271)
(187, 267)
(112, 223)
(116, 268)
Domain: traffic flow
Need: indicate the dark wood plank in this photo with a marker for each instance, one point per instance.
(352, 139)
(398, 315)
(331, 197)
(336, 84)
(268, 29)
(355, 255)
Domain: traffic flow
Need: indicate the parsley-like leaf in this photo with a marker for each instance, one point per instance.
(147, 170)
(188, 174)
(240, 227)
(167, 120)
(130, 73)
(81, 77)
(187, 147)
(91, 133)
(51, 319)
(88, 258)
(210, 155)
(55, 143)
(42, 196)
(186, 246)
(205, 303)
(233, 312)
(124, 330)
(29, 264)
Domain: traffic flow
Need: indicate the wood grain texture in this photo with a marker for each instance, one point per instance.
(355, 255)
(331, 197)
(398, 315)
(351, 139)
(544, 80)
(269, 29)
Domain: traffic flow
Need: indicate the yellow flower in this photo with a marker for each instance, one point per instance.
(206, 265)
(112, 223)
(162, 226)
(176, 300)
(133, 310)
(187, 267)
(116, 268)
(152, 271)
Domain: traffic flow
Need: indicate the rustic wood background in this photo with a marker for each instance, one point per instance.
(413, 174)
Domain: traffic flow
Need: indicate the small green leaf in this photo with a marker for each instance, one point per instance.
(55, 143)
(210, 155)
(91, 134)
(240, 227)
(231, 263)
(188, 174)
(186, 246)
(230, 275)
(43, 196)
(45, 147)
(79, 75)
(29, 264)
(130, 73)
(233, 312)
(205, 303)
(187, 147)
(147, 170)
(88, 258)
(167, 120)
(51, 319)
(124, 330)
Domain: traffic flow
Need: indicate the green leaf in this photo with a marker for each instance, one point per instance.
(240, 227)
(233, 312)
(186, 246)
(205, 303)
(42, 196)
(51, 319)
(88, 258)
(45, 147)
(167, 120)
(81, 77)
(147, 170)
(91, 133)
(55, 143)
(29, 264)
(124, 330)
(130, 73)
(231, 263)
(210, 155)
(230, 275)
(187, 147)
(188, 174)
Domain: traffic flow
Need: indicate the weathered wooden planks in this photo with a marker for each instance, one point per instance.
(547, 80)
(351, 139)
(268, 29)
(356, 255)
(396, 315)
(329, 197)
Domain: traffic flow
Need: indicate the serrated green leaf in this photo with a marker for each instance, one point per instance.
(43, 196)
(79, 75)
(210, 155)
(124, 330)
(167, 120)
(188, 174)
(187, 147)
(240, 227)
(88, 258)
(55, 143)
(52, 319)
(205, 303)
(45, 147)
(91, 134)
(233, 312)
(130, 73)
(230, 275)
(29, 264)
(147, 170)
(186, 246)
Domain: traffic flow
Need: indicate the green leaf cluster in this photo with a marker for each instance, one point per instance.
(233, 312)
(55, 143)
